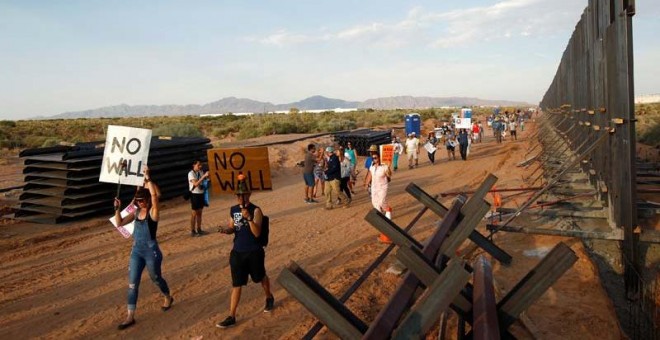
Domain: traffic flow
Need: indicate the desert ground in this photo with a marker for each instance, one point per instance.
(70, 280)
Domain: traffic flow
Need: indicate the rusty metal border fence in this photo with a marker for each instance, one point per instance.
(594, 87)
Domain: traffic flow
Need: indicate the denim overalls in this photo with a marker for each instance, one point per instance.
(145, 252)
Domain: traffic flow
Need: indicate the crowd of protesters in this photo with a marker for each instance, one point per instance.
(329, 173)
(320, 165)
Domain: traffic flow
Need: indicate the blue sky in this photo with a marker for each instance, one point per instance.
(59, 56)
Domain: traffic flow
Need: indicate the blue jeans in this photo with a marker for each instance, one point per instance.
(144, 253)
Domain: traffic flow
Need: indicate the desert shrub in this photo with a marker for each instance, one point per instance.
(177, 130)
(34, 141)
(50, 141)
(6, 143)
(648, 118)
(249, 133)
(224, 130)
(7, 124)
(651, 135)
(337, 125)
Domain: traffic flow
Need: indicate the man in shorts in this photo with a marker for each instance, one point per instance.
(412, 150)
(195, 179)
(308, 173)
(247, 256)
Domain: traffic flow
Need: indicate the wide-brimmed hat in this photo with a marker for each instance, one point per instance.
(373, 148)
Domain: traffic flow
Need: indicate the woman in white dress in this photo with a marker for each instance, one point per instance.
(379, 177)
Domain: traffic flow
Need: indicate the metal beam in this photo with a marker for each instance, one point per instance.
(320, 302)
(484, 324)
(434, 300)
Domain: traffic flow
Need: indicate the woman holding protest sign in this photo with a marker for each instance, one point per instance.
(145, 251)
(430, 146)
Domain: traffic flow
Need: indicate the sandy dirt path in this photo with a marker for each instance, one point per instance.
(70, 280)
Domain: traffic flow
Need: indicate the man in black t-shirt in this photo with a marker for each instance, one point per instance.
(308, 173)
(247, 255)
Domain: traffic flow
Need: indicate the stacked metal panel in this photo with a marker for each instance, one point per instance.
(363, 139)
(62, 183)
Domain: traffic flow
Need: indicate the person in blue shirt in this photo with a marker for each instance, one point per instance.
(247, 255)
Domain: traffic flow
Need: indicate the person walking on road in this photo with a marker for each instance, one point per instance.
(412, 150)
(349, 152)
(378, 178)
(247, 256)
(463, 143)
(333, 174)
(346, 167)
(512, 129)
(319, 173)
(398, 150)
(308, 173)
(431, 141)
(145, 251)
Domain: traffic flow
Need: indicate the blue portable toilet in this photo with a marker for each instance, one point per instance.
(413, 124)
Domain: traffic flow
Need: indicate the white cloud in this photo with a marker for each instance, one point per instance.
(282, 38)
(504, 20)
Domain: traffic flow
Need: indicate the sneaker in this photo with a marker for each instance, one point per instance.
(228, 322)
(201, 232)
(269, 304)
(311, 200)
(307, 200)
(193, 234)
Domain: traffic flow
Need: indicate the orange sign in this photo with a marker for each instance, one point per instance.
(386, 153)
(226, 164)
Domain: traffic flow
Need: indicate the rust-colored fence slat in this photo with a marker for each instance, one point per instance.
(485, 323)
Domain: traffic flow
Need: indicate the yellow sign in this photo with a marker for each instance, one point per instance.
(226, 164)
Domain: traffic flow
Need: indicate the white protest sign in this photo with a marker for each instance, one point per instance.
(129, 146)
(429, 147)
(465, 120)
(127, 229)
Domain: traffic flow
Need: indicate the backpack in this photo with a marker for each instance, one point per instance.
(265, 228)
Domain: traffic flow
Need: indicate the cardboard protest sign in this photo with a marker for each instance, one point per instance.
(386, 153)
(129, 146)
(127, 229)
(465, 119)
(429, 147)
(226, 164)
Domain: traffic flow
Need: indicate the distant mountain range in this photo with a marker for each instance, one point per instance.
(242, 105)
